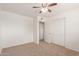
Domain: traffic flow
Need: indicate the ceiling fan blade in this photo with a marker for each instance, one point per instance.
(35, 7)
(49, 10)
(53, 4)
(40, 12)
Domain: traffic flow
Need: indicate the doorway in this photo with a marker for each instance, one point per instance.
(41, 31)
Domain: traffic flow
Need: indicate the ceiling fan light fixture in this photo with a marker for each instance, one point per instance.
(44, 9)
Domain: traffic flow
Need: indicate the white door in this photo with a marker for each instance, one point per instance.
(58, 33)
(41, 31)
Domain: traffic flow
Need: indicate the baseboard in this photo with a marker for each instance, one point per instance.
(67, 48)
(17, 43)
(72, 49)
(48, 41)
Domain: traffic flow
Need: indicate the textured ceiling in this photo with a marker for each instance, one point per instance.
(27, 10)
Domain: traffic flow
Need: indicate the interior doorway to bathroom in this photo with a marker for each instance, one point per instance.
(41, 31)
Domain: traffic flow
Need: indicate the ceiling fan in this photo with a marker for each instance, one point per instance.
(45, 7)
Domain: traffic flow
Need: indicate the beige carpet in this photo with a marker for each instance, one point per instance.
(43, 49)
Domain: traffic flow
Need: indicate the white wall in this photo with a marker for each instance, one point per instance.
(36, 29)
(16, 29)
(71, 29)
(0, 35)
(48, 30)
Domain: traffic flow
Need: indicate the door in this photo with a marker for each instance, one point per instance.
(59, 31)
(41, 30)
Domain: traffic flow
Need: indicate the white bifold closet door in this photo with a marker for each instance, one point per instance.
(59, 31)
